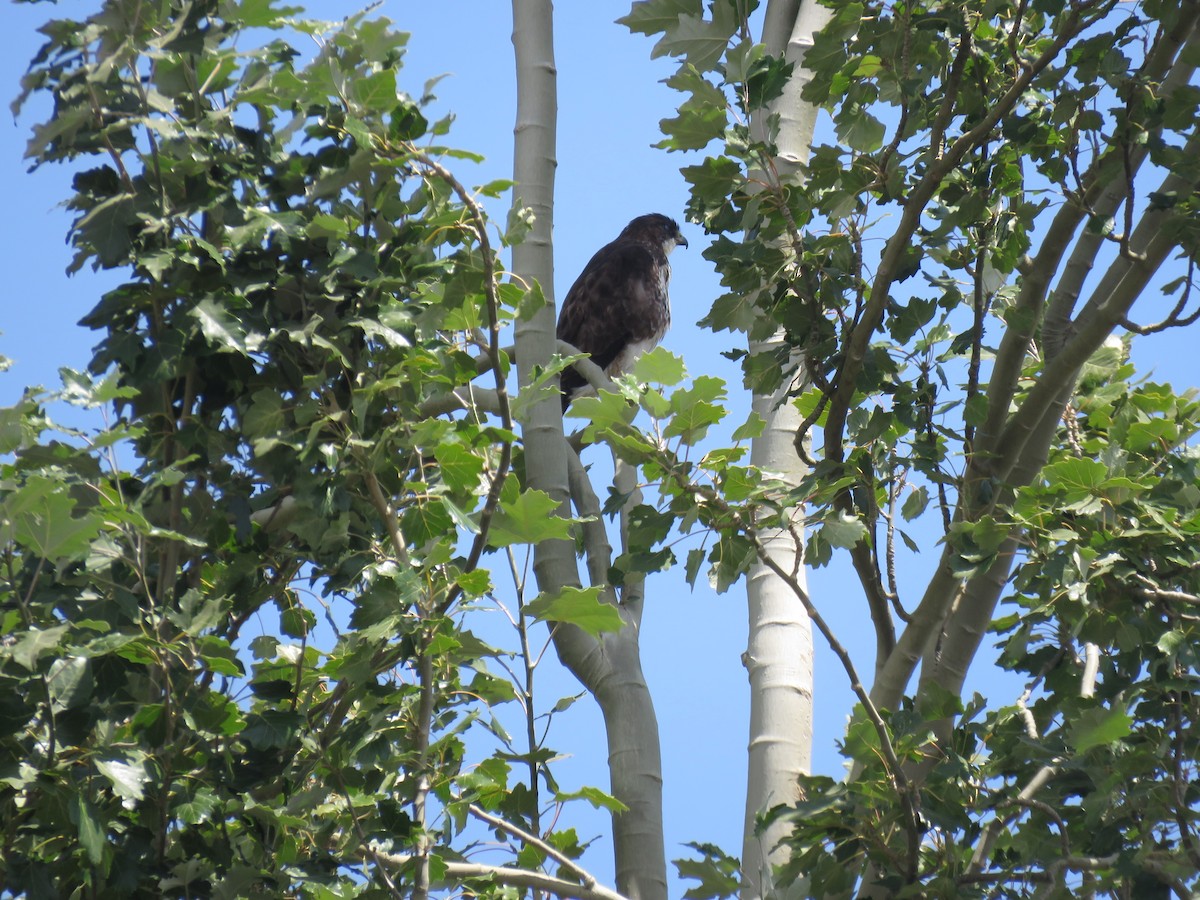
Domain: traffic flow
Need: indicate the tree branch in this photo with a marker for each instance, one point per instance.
(633, 590)
(586, 878)
(494, 353)
(463, 397)
(987, 841)
(595, 376)
(898, 244)
(1111, 301)
(596, 546)
(521, 878)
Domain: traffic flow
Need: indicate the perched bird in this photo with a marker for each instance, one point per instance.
(618, 307)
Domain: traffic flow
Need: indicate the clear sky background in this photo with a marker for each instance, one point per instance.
(610, 102)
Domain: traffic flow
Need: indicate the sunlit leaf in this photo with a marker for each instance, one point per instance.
(129, 776)
(530, 518)
(596, 797)
(659, 366)
(577, 606)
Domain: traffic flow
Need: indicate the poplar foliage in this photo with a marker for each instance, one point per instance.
(311, 425)
(1003, 198)
(307, 288)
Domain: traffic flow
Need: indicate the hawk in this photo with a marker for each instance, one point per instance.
(618, 307)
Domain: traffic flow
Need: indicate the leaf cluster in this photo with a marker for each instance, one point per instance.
(928, 268)
(1109, 574)
(233, 650)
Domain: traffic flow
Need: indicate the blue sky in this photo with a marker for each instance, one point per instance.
(611, 100)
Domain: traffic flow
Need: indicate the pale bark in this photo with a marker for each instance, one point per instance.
(534, 163)
(609, 668)
(779, 651)
(779, 662)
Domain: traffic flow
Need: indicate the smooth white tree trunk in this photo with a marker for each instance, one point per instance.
(779, 652)
(610, 668)
(779, 662)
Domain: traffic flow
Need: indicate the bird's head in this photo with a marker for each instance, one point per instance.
(655, 228)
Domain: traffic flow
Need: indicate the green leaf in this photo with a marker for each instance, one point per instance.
(719, 874)
(700, 41)
(495, 188)
(733, 311)
(35, 643)
(738, 483)
(766, 80)
(843, 530)
(531, 301)
(264, 646)
(976, 410)
(530, 518)
(106, 228)
(915, 503)
(1141, 436)
(577, 606)
(129, 776)
(270, 729)
(594, 796)
(1079, 478)
(14, 423)
(377, 91)
(91, 831)
(220, 657)
(1099, 727)
(656, 16)
(408, 123)
(261, 14)
(702, 117)
(695, 559)
(659, 366)
(296, 622)
(714, 179)
(695, 409)
(860, 130)
(324, 225)
(460, 467)
(475, 583)
(221, 329)
(605, 412)
(197, 612)
(731, 558)
(700, 122)
(565, 703)
(753, 427)
(69, 682)
(38, 515)
(198, 809)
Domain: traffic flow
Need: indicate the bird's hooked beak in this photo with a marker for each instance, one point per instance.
(680, 240)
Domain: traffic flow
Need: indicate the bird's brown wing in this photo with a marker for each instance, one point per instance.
(613, 303)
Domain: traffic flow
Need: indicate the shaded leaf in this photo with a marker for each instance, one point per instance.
(1099, 727)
